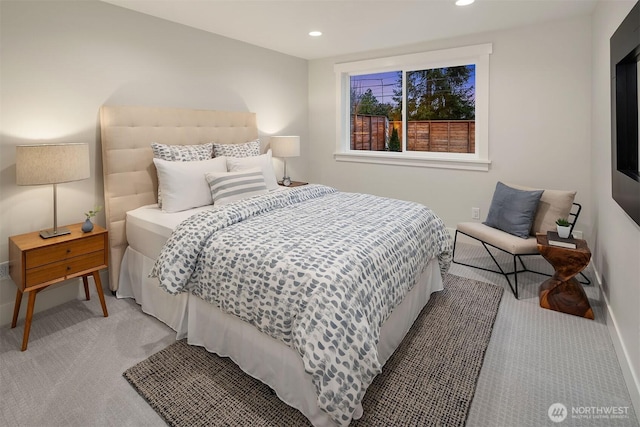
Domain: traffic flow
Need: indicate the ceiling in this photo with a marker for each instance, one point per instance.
(350, 26)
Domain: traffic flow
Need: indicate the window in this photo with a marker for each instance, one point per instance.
(427, 109)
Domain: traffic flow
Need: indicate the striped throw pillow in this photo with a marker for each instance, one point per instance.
(227, 187)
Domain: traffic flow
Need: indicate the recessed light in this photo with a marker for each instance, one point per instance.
(464, 2)
(315, 33)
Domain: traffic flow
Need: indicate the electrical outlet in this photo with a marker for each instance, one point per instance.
(475, 213)
(4, 270)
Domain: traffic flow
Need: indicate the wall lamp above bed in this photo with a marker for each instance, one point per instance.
(285, 146)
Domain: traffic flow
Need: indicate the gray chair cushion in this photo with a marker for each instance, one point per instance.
(512, 210)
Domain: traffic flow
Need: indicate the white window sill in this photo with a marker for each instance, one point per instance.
(403, 159)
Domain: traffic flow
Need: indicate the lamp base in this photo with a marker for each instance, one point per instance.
(46, 234)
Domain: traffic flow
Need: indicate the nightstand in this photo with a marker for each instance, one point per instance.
(562, 292)
(294, 184)
(36, 263)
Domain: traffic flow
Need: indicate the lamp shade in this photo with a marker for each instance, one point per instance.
(285, 146)
(51, 163)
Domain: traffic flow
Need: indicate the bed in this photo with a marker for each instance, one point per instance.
(142, 237)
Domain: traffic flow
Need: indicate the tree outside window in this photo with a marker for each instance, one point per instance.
(440, 110)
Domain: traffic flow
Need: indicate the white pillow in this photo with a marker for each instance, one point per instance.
(236, 164)
(251, 148)
(180, 153)
(227, 187)
(183, 184)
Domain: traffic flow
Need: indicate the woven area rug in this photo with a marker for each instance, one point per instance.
(429, 381)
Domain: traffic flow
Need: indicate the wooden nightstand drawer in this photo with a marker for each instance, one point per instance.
(62, 270)
(46, 255)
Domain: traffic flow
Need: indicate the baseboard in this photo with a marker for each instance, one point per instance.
(629, 375)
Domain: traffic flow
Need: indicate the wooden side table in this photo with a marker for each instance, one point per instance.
(562, 292)
(294, 184)
(36, 263)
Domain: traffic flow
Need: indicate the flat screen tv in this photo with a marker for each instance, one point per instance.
(625, 115)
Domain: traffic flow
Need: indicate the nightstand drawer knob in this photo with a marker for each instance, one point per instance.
(68, 267)
(68, 251)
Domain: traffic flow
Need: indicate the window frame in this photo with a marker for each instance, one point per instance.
(477, 55)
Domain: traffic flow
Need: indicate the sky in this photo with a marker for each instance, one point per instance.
(382, 85)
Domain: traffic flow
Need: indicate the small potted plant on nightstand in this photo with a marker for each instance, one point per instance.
(88, 225)
(564, 227)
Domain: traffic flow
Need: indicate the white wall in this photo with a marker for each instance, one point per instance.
(549, 127)
(62, 60)
(616, 253)
(539, 131)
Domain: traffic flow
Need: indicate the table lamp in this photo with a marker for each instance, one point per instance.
(285, 146)
(52, 164)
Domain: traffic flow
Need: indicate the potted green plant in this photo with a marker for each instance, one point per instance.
(564, 227)
(88, 225)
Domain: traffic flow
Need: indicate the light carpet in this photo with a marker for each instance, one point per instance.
(430, 380)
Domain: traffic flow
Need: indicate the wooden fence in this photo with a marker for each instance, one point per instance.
(368, 132)
(451, 136)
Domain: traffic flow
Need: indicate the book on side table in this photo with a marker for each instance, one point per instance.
(555, 240)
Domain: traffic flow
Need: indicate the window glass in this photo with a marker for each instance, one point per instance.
(375, 104)
(425, 109)
(441, 109)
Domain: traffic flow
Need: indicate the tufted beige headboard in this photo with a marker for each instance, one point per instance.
(130, 179)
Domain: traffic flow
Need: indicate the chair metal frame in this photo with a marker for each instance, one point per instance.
(573, 219)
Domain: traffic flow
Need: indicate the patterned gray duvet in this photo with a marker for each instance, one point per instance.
(317, 269)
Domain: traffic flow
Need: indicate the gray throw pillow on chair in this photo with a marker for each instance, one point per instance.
(513, 210)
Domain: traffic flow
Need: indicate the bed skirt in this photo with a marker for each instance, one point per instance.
(135, 283)
(257, 354)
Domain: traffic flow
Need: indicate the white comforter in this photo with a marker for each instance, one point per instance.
(317, 269)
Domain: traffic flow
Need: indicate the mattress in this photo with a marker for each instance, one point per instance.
(148, 227)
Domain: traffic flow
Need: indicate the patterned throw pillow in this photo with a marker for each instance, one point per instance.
(227, 187)
(248, 149)
(180, 153)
